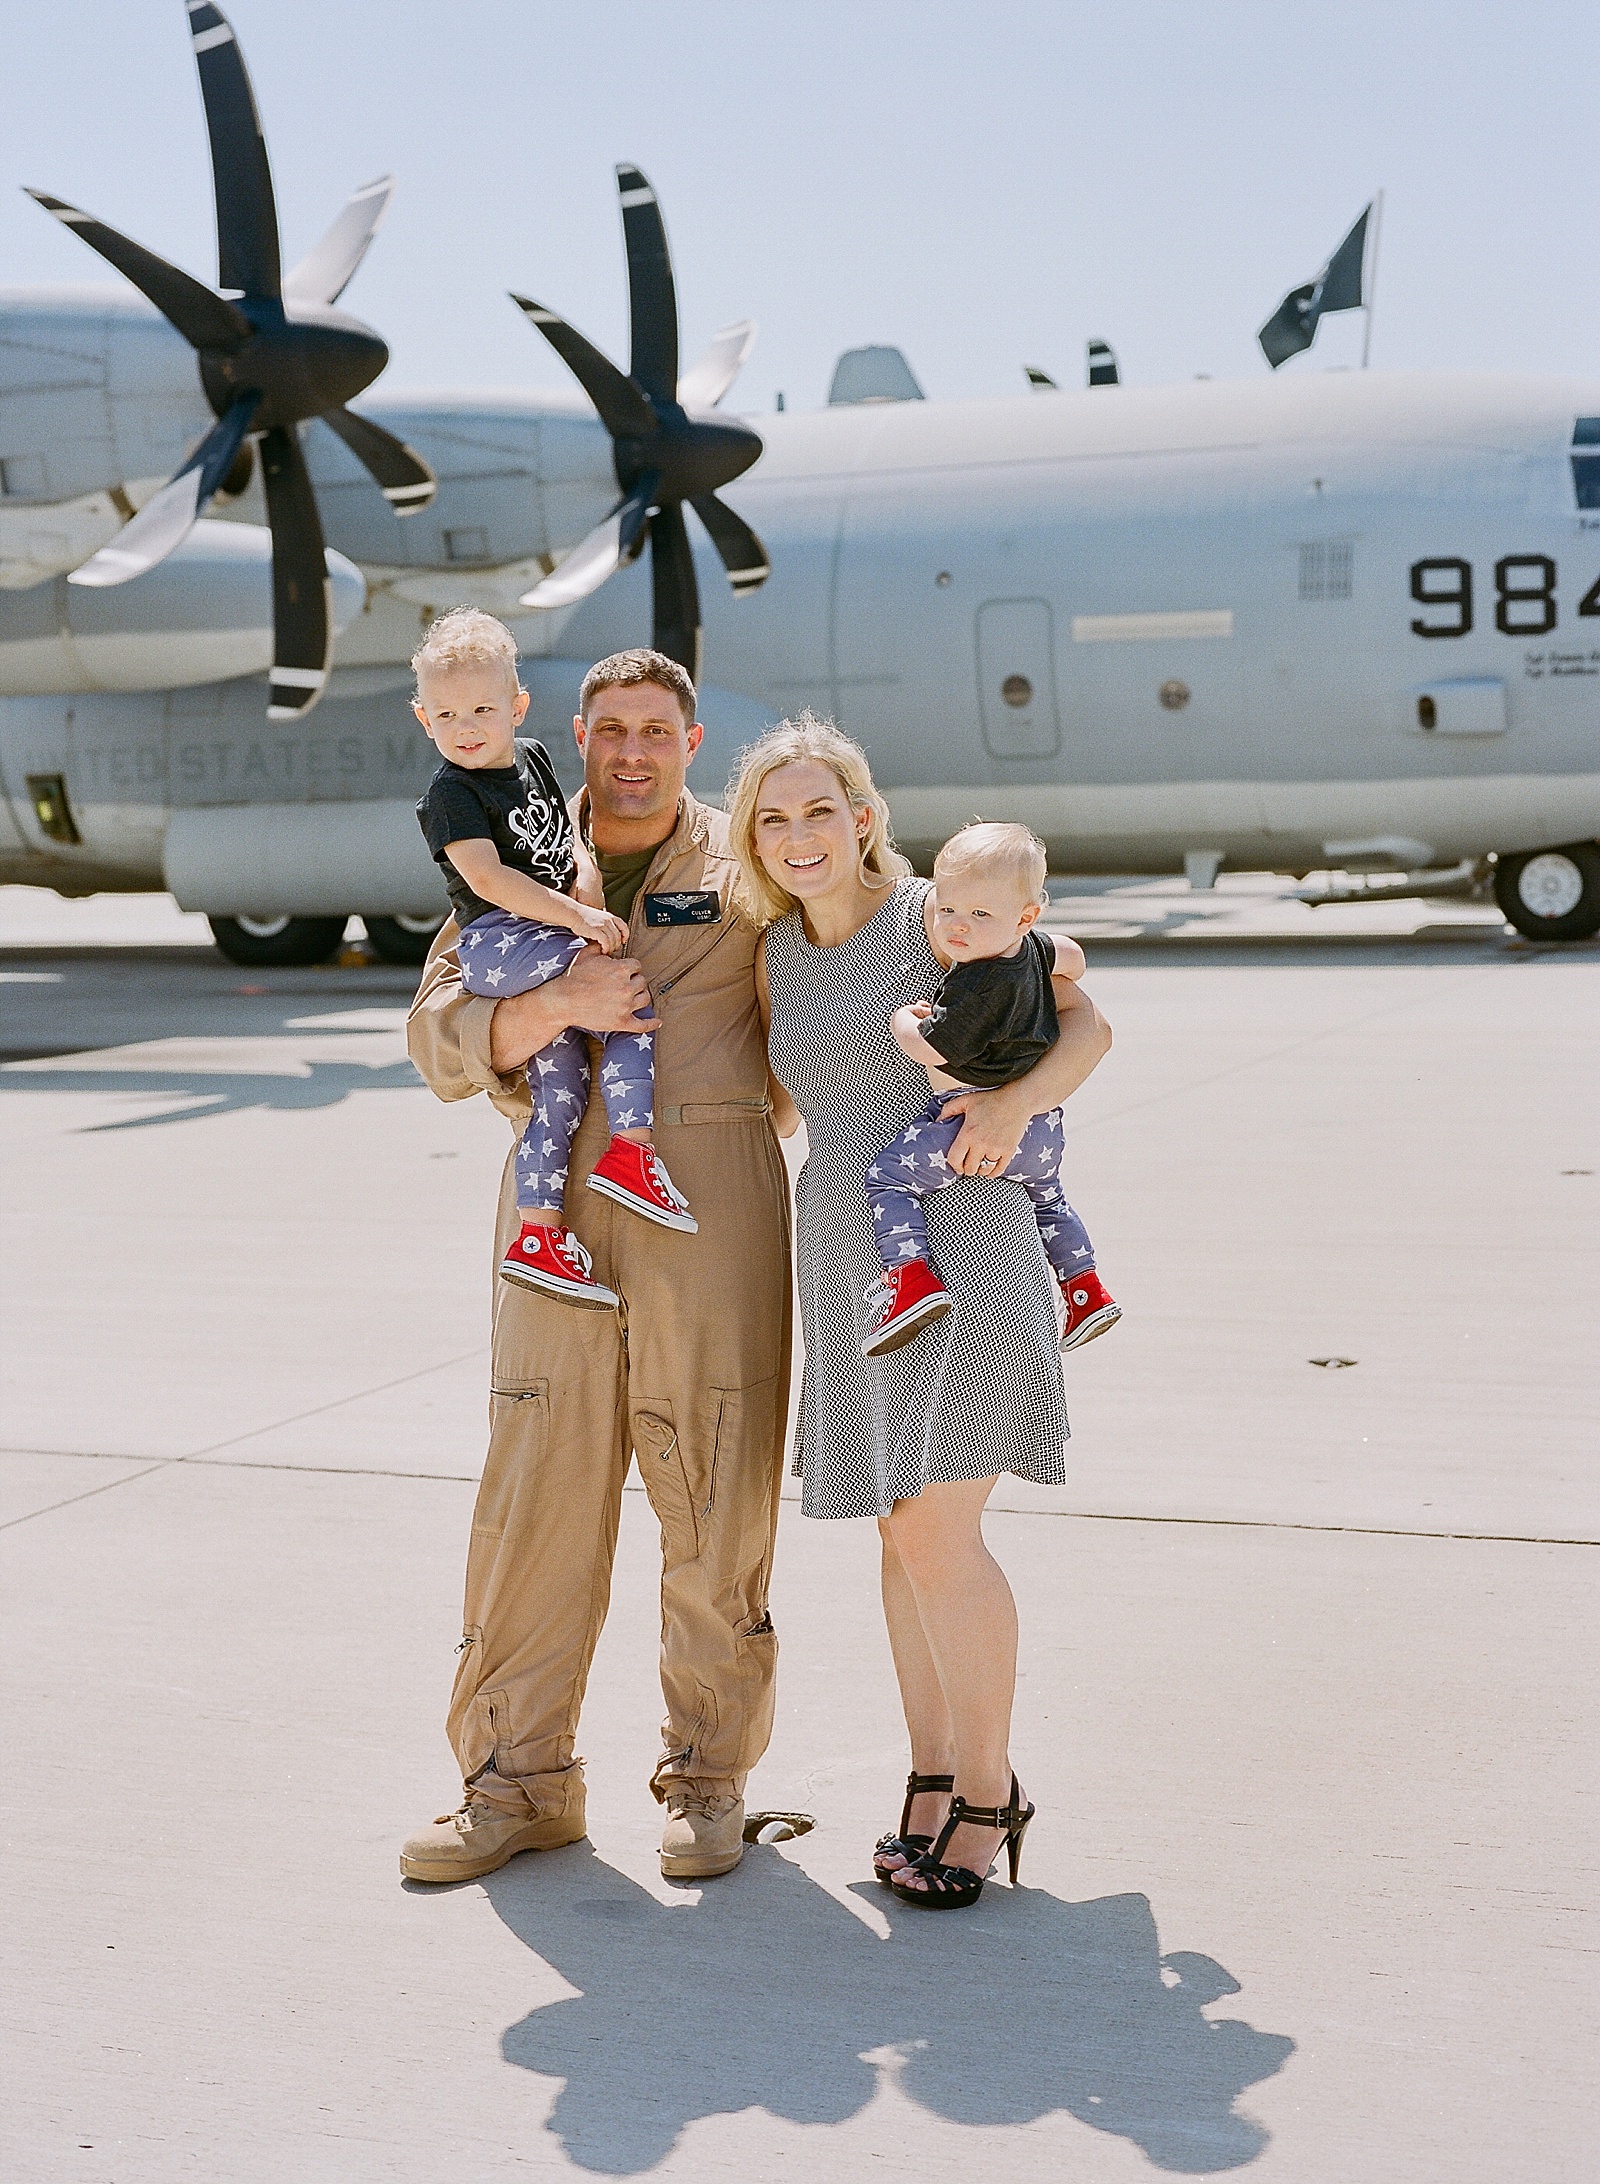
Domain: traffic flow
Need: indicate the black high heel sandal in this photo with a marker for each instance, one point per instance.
(953, 1887)
(913, 1845)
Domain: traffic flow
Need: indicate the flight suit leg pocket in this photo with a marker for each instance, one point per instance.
(519, 1433)
(665, 1468)
(741, 1498)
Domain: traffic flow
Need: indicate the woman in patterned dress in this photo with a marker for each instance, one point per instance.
(919, 1437)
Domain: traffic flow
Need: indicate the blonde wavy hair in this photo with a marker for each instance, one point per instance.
(806, 737)
(466, 637)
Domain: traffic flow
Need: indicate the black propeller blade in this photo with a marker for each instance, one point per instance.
(272, 353)
(666, 448)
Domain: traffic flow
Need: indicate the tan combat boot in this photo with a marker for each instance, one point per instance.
(704, 1834)
(480, 1838)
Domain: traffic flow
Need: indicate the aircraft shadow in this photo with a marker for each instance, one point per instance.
(218, 1092)
(767, 1993)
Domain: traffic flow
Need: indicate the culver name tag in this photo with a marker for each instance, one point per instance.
(694, 906)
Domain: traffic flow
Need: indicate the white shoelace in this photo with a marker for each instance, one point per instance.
(663, 1182)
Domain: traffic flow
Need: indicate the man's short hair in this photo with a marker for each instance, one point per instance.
(466, 637)
(1014, 852)
(622, 670)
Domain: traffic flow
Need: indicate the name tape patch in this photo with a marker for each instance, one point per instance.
(694, 906)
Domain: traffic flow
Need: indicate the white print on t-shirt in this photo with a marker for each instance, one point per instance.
(539, 828)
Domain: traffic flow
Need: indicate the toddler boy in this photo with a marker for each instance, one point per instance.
(993, 1017)
(527, 897)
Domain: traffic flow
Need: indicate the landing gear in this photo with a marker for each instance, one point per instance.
(1551, 894)
(401, 939)
(259, 943)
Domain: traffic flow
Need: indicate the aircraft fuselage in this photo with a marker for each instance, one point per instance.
(1279, 621)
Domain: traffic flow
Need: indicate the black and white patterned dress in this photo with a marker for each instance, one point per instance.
(978, 1392)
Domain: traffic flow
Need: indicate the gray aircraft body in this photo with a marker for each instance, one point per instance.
(1347, 619)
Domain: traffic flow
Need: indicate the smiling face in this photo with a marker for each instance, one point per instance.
(636, 749)
(806, 834)
(978, 913)
(472, 711)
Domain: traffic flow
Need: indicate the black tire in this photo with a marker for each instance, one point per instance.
(401, 939)
(1551, 894)
(262, 943)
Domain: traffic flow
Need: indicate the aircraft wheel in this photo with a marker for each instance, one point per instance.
(1552, 894)
(259, 943)
(401, 939)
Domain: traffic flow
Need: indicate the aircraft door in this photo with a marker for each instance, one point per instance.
(1017, 678)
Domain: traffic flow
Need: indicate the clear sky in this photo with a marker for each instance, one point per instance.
(985, 186)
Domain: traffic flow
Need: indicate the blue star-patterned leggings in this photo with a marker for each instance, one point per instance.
(917, 1162)
(502, 955)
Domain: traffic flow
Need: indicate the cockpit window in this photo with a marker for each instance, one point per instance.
(1586, 468)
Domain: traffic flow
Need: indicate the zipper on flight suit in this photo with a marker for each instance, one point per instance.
(725, 926)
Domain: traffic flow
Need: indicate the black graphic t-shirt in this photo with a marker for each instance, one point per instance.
(992, 1020)
(520, 809)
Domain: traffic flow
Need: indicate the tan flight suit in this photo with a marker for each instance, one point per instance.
(692, 1376)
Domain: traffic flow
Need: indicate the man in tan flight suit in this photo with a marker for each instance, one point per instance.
(691, 1377)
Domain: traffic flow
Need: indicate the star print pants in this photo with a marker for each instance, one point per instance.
(503, 955)
(916, 1163)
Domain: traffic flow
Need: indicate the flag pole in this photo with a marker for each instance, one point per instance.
(1372, 286)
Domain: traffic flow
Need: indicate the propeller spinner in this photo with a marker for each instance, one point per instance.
(666, 448)
(272, 352)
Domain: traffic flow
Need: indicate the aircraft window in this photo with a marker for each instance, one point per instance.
(1017, 690)
(1427, 712)
(470, 543)
(1174, 696)
(48, 795)
(1327, 568)
(1586, 432)
(1586, 475)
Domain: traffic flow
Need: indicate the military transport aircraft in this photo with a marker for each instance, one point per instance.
(1345, 620)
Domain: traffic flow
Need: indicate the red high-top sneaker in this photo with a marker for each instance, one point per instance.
(633, 1175)
(911, 1295)
(552, 1259)
(1091, 1309)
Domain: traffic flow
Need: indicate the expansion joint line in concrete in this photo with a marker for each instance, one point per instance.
(1290, 1524)
(203, 1459)
(208, 1454)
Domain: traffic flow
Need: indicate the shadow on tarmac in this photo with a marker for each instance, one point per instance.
(767, 1993)
(217, 1092)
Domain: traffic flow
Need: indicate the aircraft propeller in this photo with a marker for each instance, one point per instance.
(272, 352)
(665, 447)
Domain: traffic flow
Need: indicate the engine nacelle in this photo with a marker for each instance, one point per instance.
(204, 615)
(96, 391)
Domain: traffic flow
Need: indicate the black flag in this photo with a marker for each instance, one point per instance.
(1338, 287)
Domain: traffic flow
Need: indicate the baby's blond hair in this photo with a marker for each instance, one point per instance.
(1013, 853)
(466, 637)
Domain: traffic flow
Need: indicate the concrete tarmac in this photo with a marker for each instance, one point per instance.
(1308, 1647)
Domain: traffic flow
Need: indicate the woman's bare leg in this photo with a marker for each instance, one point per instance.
(968, 1624)
(933, 1747)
